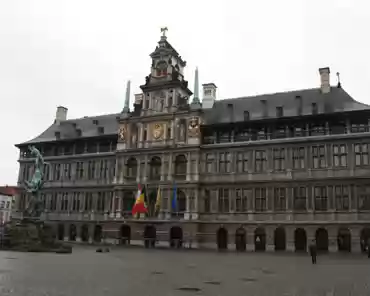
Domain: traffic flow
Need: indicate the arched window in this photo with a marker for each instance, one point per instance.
(132, 168)
(155, 168)
(180, 166)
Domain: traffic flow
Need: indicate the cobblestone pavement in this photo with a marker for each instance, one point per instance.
(142, 272)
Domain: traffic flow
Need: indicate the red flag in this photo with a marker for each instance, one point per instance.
(139, 206)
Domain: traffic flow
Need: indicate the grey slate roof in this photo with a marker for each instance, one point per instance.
(337, 100)
(69, 129)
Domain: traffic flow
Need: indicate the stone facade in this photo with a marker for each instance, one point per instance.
(270, 172)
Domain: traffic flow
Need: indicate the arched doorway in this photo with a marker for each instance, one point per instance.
(240, 239)
(60, 231)
(259, 239)
(279, 239)
(125, 234)
(364, 237)
(300, 240)
(176, 237)
(98, 233)
(85, 233)
(222, 238)
(344, 240)
(150, 236)
(72, 232)
(322, 240)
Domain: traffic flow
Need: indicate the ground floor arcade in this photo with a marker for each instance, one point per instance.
(346, 238)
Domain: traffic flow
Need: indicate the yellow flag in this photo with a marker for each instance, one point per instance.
(158, 201)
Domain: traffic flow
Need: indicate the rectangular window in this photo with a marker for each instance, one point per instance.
(67, 171)
(64, 205)
(79, 170)
(318, 157)
(242, 162)
(46, 172)
(225, 162)
(241, 201)
(321, 198)
(223, 200)
(57, 171)
(53, 201)
(91, 170)
(76, 203)
(207, 201)
(340, 155)
(364, 198)
(362, 154)
(261, 161)
(300, 198)
(341, 197)
(88, 201)
(101, 201)
(298, 158)
(279, 199)
(279, 159)
(279, 112)
(210, 163)
(260, 199)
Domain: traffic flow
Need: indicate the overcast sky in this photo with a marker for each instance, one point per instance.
(79, 54)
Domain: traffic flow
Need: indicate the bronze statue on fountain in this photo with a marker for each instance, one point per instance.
(31, 233)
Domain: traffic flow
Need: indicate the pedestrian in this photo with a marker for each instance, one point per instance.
(313, 251)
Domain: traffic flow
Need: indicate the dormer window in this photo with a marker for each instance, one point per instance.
(101, 130)
(314, 108)
(57, 135)
(96, 122)
(79, 132)
(246, 115)
(279, 112)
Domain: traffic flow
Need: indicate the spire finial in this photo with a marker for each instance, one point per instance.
(339, 85)
(126, 108)
(163, 31)
(196, 87)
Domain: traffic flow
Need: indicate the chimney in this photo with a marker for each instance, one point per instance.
(325, 79)
(61, 114)
(209, 95)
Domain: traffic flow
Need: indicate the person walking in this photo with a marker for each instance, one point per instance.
(313, 251)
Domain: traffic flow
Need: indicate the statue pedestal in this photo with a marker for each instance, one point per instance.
(32, 235)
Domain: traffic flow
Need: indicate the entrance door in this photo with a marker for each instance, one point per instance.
(222, 238)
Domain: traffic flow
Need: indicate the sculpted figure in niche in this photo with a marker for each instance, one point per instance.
(194, 127)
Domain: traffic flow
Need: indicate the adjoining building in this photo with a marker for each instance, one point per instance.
(267, 172)
(7, 194)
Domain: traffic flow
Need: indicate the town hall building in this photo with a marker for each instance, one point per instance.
(267, 172)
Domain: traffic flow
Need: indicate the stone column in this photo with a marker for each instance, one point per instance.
(194, 214)
(188, 167)
(270, 243)
(113, 210)
(290, 246)
(170, 167)
(332, 234)
(138, 174)
(163, 168)
(119, 210)
(145, 173)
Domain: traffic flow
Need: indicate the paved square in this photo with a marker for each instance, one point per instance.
(143, 272)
